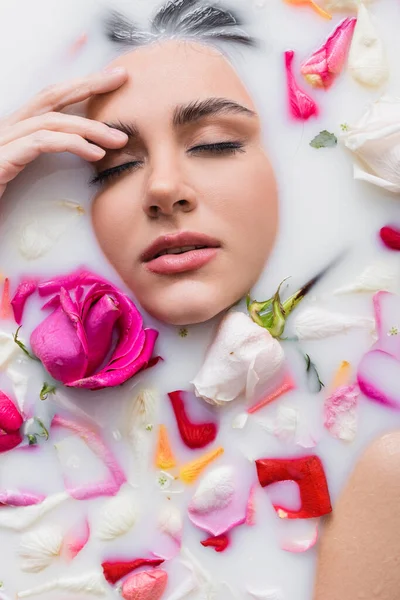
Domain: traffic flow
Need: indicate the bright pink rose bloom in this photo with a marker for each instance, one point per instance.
(94, 338)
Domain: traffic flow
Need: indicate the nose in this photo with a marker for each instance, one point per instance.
(167, 193)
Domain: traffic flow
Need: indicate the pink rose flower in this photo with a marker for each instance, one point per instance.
(94, 337)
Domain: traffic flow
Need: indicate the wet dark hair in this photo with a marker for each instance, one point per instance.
(188, 19)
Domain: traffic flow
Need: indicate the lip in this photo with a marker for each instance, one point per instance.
(170, 264)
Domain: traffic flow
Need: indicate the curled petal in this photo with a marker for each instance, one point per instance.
(218, 542)
(381, 275)
(9, 441)
(99, 326)
(147, 585)
(114, 570)
(301, 106)
(284, 386)
(327, 62)
(39, 548)
(165, 458)
(308, 473)
(192, 470)
(24, 291)
(90, 583)
(79, 277)
(194, 435)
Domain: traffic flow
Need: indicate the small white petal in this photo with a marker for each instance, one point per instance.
(242, 356)
(240, 421)
(317, 323)
(382, 275)
(140, 430)
(271, 594)
(19, 382)
(215, 491)
(90, 583)
(8, 349)
(39, 548)
(118, 515)
(283, 425)
(170, 521)
(367, 60)
(22, 517)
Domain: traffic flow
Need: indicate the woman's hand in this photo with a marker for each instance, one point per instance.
(39, 127)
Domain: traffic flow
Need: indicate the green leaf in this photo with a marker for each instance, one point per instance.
(47, 389)
(324, 139)
(22, 345)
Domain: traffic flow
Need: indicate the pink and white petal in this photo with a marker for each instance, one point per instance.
(387, 316)
(298, 544)
(75, 540)
(377, 376)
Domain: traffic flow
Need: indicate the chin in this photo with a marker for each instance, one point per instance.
(187, 308)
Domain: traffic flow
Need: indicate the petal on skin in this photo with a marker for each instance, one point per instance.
(39, 548)
(217, 506)
(147, 585)
(111, 375)
(317, 323)
(89, 583)
(60, 343)
(99, 326)
(231, 367)
(326, 63)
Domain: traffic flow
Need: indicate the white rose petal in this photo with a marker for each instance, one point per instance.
(215, 491)
(90, 583)
(39, 548)
(8, 349)
(118, 515)
(170, 521)
(381, 275)
(19, 383)
(140, 429)
(367, 57)
(242, 355)
(284, 425)
(317, 323)
(375, 142)
(340, 5)
(271, 594)
(240, 421)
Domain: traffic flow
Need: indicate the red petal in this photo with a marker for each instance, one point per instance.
(218, 542)
(308, 473)
(194, 435)
(390, 236)
(115, 570)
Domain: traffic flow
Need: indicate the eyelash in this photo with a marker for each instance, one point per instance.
(215, 149)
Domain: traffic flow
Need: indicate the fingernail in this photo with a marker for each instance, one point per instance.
(98, 152)
(114, 70)
(118, 135)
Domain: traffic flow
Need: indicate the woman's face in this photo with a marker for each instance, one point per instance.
(186, 212)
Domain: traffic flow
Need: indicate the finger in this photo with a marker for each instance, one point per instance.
(89, 129)
(16, 155)
(58, 96)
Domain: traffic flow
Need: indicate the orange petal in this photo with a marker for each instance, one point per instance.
(192, 470)
(6, 311)
(320, 11)
(165, 458)
(342, 375)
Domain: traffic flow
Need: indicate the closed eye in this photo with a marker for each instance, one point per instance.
(218, 148)
(113, 172)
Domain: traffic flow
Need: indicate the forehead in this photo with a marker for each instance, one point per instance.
(165, 74)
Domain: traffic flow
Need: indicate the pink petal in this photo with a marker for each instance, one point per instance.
(75, 540)
(147, 585)
(378, 375)
(387, 317)
(9, 441)
(328, 61)
(12, 498)
(96, 444)
(99, 326)
(304, 543)
(10, 417)
(111, 375)
(301, 106)
(340, 417)
(79, 277)
(60, 342)
(250, 508)
(24, 290)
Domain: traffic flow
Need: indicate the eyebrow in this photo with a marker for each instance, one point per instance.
(190, 113)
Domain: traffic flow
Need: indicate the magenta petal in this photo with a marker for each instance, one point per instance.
(10, 417)
(78, 277)
(8, 441)
(378, 375)
(60, 342)
(99, 326)
(13, 498)
(111, 376)
(24, 290)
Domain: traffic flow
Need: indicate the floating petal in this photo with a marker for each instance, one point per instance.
(75, 540)
(377, 376)
(22, 517)
(270, 594)
(283, 387)
(381, 275)
(304, 543)
(194, 435)
(118, 515)
(326, 63)
(316, 323)
(368, 62)
(39, 548)
(90, 583)
(170, 522)
(301, 106)
(114, 570)
(315, 7)
(165, 458)
(218, 542)
(340, 412)
(147, 585)
(192, 470)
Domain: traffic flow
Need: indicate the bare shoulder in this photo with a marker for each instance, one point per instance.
(359, 552)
